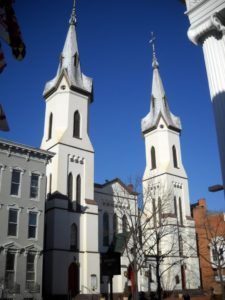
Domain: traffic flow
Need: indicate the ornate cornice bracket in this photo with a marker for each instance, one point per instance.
(218, 23)
(211, 26)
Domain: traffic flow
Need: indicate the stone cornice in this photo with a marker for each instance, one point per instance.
(192, 4)
(25, 151)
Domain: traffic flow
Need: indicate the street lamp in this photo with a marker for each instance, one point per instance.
(215, 188)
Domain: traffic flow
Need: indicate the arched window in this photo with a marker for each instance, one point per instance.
(50, 121)
(160, 211)
(154, 212)
(78, 189)
(181, 214)
(175, 206)
(73, 237)
(70, 186)
(115, 225)
(76, 124)
(105, 229)
(124, 224)
(181, 250)
(153, 158)
(175, 164)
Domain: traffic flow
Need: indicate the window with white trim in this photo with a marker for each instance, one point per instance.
(10, 270)
(32, 225)
(34, 185)
(217, 251)
(12, 222)
(15, 182)
(30, 270)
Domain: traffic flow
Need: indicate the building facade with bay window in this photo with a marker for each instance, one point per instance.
(22, 200)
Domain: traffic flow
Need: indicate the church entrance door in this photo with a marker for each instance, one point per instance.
(73, 280)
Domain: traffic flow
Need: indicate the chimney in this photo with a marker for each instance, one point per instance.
(202, 202)
(130, 188)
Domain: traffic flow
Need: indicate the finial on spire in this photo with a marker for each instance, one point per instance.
(155, 63)
(73, 19)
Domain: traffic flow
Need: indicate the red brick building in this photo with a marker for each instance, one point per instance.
(210, 230)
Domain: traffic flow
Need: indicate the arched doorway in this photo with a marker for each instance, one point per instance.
(73, 280)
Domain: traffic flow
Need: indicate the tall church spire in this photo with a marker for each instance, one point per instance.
(159, 105)
(69, 64)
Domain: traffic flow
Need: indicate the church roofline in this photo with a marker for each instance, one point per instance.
(108, 182)
(153, 127)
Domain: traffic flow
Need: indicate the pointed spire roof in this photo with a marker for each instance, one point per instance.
(159, 105)
(69, 64)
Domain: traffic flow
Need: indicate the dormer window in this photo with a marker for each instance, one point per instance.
(76, 124)
(75, 60)
(153, 102)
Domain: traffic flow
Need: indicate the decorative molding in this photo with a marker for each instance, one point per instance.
(76, 159)
(211, 26)
(17, 168)
(193, 3)
(217, 23)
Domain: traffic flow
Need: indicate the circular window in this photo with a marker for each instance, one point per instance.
(161, 126)
(63, 87)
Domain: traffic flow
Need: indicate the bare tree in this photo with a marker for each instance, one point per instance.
(210, 228)
(151, 233)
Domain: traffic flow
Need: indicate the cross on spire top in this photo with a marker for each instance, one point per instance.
(73, 19)
(154, 61)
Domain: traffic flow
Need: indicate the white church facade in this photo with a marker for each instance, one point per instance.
(83, 219)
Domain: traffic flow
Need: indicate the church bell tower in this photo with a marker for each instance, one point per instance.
(165, 186)
(72, 257)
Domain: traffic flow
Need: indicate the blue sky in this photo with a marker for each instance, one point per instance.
(113, 38)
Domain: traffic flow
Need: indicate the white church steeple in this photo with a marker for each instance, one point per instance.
(159, 105)
(71, 212)
(165, 183)
(69, 64)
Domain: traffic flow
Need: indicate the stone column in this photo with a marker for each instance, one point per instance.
(211, 35)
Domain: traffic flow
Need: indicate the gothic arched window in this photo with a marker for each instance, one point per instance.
(115, 225)
(181, 213)
(105, 229)
(175, 164)
(160, 211)
(124, 224)
(73, 237)
(70, 186)
(50, 121)
(76, 124)
(153, 158)
(78, 189)
(154, 212)
(175, 206)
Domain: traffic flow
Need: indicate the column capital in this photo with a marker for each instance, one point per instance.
(212, 26)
